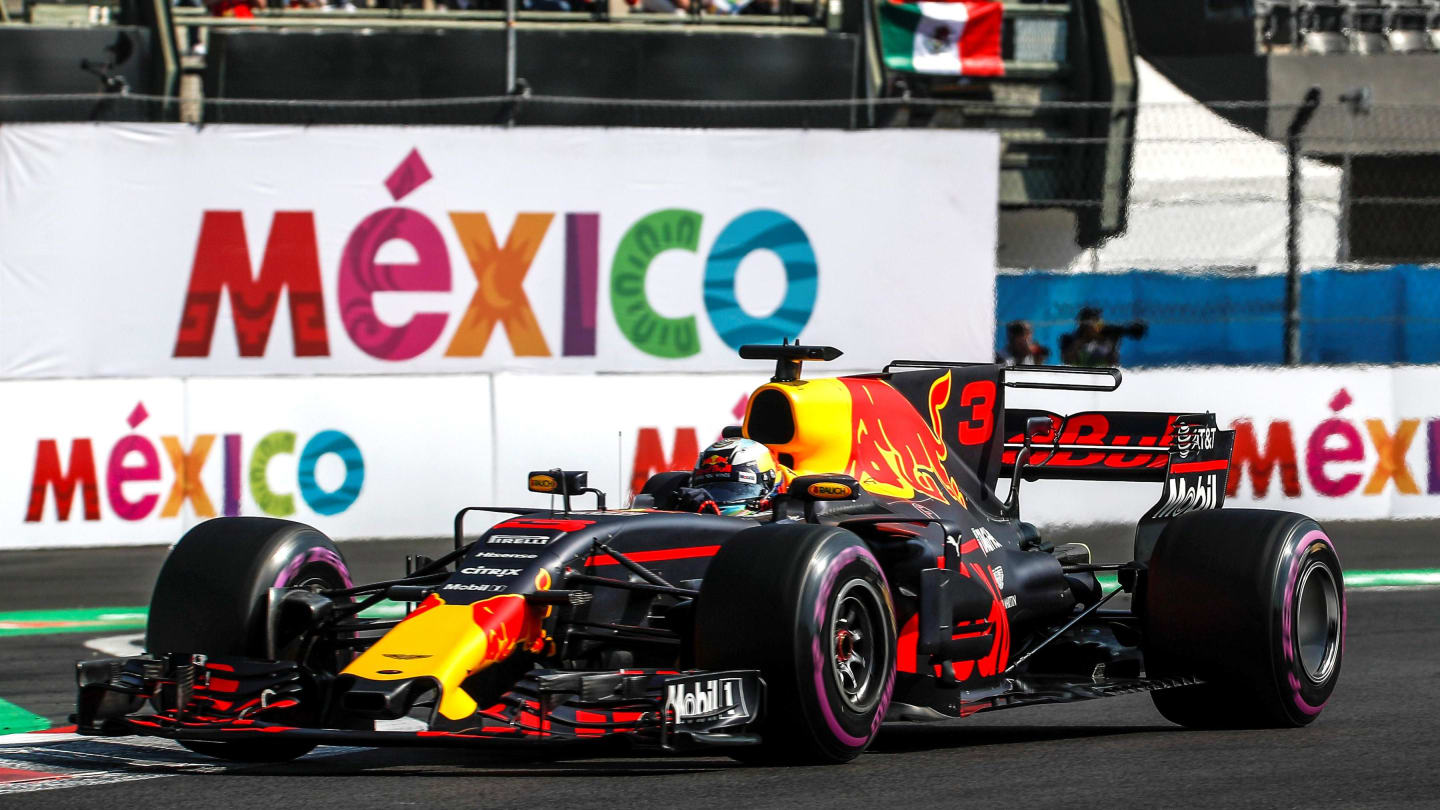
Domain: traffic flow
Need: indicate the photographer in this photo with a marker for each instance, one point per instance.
(1094, 342)
(1020, 348)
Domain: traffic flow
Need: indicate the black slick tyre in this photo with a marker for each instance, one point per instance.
(211, 598)
(1252, 602)
(809, 607)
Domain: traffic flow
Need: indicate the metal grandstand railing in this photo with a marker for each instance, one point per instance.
(1348, 26)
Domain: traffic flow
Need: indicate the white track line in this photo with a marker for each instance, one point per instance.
(126, 646)
(76, 760)
(82, 761)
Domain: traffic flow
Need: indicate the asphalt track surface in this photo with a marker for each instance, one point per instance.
(1375, 745)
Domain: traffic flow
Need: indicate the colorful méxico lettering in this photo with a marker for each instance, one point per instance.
(291, 263)
(134, 460)
(1334, 441)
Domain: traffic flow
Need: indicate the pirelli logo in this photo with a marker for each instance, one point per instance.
(518, 540)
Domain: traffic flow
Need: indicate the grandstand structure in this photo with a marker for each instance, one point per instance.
(1064, 105)
(1358, 26)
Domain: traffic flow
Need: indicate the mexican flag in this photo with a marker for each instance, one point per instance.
(957, 38)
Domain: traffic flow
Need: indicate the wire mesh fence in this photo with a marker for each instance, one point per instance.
(1209, 192)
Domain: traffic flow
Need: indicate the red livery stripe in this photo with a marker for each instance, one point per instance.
(582, 716)
(223, 685)
(1199, 466)
(654, 556)
(545, 523)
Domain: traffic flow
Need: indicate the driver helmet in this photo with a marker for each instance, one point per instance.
(740, 475)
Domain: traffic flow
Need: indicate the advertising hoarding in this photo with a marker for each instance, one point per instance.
(140, 250)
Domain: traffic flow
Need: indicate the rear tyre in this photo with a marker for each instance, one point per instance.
(211, 598)
(1253, 603)
(810, 608)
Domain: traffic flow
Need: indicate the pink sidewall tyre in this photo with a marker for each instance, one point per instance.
(1251, 602)
(810, 608)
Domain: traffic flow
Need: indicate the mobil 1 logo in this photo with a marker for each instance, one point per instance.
(1189, 494)
(708, 701)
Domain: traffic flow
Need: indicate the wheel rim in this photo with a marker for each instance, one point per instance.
(1317, 622)
(312, 583)
(854, 645)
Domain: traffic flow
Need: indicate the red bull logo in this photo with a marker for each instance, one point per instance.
(895, 453)
(714, 463)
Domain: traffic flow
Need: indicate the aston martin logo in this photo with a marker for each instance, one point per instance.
(403, 656)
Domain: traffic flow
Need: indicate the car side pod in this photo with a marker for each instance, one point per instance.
(946, 599)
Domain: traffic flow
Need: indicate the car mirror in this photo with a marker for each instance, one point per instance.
(1035, 427)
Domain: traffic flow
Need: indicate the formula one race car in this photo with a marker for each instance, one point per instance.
(888, 583)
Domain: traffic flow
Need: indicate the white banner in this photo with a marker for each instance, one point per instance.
(1333, 443)
(107, 461)
(102, 462)
(1336, 443)
(171, 251)
(620, 428)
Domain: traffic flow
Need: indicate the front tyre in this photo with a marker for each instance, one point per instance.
(810, 608)
(212, 597)
(1253, 603)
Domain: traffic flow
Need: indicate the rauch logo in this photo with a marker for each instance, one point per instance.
(134, 460)
(291, 263)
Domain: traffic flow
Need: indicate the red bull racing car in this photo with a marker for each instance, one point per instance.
(888, 583)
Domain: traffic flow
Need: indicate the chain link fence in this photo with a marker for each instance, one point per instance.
(1208, 192)
(1203, 259)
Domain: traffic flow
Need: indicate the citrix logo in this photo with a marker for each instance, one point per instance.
(491, 572)
(291, 264)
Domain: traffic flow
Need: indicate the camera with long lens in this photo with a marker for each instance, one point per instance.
(1133, 330)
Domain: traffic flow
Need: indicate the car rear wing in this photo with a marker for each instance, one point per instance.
(1187, 452)
(1116, 445)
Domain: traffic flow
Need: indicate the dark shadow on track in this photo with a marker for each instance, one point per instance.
(935, 738)
(893, 739)
(902, 739)
(389, 762)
